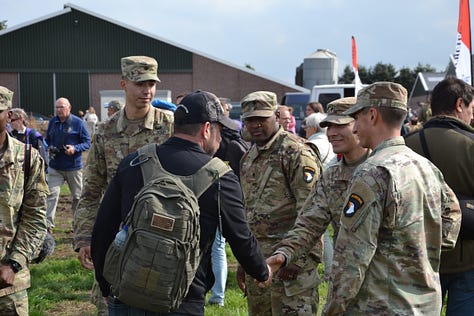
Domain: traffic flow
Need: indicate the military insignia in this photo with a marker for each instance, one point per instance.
(355, 202)
(308, 174)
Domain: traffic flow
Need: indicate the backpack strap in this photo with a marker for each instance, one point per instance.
(424, 145)
(26, 165)
(149, 169)
(207, 175)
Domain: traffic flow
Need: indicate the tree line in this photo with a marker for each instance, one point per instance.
(386, 72)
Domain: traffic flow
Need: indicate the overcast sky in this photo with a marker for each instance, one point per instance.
(274, 36)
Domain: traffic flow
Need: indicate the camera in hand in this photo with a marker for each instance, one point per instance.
(53, 151)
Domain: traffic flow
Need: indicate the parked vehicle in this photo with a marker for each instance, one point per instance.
(330, 92)
(298, 101)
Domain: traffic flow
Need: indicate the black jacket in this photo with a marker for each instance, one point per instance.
(181, 157)
(451, 147)
(232, 148)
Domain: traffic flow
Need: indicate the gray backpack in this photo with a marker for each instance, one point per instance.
(158, 262)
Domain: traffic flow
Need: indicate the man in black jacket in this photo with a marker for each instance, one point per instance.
(449, 144)
(198, 122)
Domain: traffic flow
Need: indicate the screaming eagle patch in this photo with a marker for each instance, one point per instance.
(355, 202)
(308, 174)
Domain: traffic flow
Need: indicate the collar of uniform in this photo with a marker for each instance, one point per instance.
(148, 123)
(395, 141)
(272, 140)
(347, 169)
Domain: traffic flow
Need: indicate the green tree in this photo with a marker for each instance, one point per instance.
(381, 72)
(348, 75)
(3, 25)
(386, 72)
(406, 77)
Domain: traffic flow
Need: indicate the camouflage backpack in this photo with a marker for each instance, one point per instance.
(158, 262)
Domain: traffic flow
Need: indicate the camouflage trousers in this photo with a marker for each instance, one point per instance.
(295, 297)
(15, 304)
(98, 300)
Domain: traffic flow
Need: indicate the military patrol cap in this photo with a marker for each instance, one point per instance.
(139, 68)
(201, 107)
(259, 104)
(335, 109)
(114, 104)
(387, 94)
(6, 97)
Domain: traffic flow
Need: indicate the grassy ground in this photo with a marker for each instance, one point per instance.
(60, 286)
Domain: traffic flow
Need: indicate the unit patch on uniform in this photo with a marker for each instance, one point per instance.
(355, 202)
(308, 174)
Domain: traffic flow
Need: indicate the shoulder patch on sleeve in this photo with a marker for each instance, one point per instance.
(355, 202)
(359, 201)
(308, 174)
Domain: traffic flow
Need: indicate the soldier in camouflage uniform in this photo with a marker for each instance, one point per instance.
(22, 214)
(277, 174)
(398, 217)
(327, 199)
(137, 124)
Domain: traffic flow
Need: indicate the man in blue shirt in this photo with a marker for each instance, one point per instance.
(67, 138)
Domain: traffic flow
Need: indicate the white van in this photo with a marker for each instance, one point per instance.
(330, 92)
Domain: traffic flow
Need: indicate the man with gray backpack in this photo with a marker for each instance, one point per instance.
(169, 200)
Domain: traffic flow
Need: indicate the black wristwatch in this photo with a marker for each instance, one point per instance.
(16, 267)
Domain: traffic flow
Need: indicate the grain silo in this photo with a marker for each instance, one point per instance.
(320, 68)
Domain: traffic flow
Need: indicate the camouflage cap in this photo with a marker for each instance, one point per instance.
(114, 104)
(387, 94)
(335, 109)
(260, 104)
(202, 107)
(6, 97)
(139, 68)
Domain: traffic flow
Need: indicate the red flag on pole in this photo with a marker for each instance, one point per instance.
(462, 57)
(355, 66)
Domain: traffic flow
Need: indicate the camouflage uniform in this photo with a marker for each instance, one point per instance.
(116, 138)
(398, 217)
(23, 215)
(276, 179)
(325, 205)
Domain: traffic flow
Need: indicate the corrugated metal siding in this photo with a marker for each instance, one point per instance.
(36, 90)
(75, 87)
(88, 44)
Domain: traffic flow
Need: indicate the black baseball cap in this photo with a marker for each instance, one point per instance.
(200, 107)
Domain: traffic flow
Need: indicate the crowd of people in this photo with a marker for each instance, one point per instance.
(395, 200)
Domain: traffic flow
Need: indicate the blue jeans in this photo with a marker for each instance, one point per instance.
(122, 309)
(460, 289)
(219, 269)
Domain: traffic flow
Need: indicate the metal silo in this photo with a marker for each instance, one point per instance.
(320, 68)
